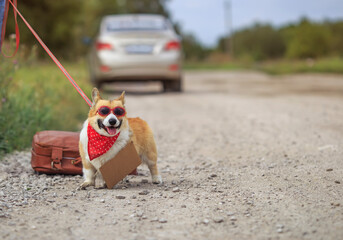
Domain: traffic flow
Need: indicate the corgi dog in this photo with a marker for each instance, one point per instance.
(108, 130)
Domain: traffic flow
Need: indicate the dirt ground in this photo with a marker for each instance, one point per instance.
(243, 155)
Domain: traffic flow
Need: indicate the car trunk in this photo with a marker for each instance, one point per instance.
(141, 35)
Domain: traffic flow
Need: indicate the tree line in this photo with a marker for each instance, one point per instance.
(304, 39)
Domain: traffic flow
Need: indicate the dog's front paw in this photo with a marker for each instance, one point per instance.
(84, 185)
(157, 179)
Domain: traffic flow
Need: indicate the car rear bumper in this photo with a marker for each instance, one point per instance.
(141, 73)
(113, 67)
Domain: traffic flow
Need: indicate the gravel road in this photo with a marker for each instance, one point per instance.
(243, 155)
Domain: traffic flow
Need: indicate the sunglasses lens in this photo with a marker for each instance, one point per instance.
(104, 111)
(119, 111)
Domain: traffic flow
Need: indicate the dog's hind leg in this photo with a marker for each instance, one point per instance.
(155, 177)
(151, 160)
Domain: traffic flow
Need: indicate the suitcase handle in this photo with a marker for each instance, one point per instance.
(47, 150)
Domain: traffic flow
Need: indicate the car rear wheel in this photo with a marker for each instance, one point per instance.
(172, 85)
(98, 85)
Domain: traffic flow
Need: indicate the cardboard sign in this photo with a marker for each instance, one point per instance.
(125, 162)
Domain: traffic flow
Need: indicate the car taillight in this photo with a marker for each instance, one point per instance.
(172, 45)
(104, 68)
(174, 67)
(103, 46)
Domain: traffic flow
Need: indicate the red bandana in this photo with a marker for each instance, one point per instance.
(98, 144)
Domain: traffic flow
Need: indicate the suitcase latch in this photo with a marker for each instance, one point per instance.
(76, 161)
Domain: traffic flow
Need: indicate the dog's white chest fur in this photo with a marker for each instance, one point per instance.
(121, 142)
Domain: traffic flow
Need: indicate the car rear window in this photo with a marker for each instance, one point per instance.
(133, 24)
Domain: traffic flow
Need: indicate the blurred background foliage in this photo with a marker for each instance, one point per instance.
(301, 40)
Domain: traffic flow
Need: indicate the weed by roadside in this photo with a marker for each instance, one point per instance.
(36, 97)
(322, 65)
(281, 66)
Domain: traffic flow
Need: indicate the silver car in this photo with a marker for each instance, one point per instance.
(136, 47)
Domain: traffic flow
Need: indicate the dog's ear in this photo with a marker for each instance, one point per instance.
(122, 97)
(95, 96)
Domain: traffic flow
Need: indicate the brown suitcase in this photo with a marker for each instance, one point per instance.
(57, 152)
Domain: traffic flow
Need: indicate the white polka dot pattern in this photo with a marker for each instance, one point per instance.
(98, 144)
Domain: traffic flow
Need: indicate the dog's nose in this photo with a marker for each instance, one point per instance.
(112, 121)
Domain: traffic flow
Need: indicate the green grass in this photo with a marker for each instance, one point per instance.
(38, 97)
(231, 65)
(325, 65)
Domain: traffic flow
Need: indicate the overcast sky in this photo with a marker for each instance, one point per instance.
(206, 18)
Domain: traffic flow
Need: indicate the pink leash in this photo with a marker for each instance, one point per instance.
(71, 80)
(3, 30)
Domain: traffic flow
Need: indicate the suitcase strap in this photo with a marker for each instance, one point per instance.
(56, 157)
